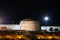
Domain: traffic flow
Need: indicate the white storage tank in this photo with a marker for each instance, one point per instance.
(29, 25)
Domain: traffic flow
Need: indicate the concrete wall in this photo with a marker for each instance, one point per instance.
(11, 26)
(48, 27)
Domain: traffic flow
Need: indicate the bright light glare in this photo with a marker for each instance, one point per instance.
(46, 18)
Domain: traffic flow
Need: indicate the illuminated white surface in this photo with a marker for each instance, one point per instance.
(48, 27)
(11, 26)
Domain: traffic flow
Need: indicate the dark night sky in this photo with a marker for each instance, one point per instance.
(16, 11)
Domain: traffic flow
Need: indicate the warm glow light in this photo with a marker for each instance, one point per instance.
(0, 36)
(56, 37)
(49, 37)
(8, 36)
(40, 36)
(19, 36)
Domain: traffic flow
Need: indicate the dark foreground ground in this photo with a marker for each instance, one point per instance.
(28, 35)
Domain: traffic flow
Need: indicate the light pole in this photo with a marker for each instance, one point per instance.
(46, 18)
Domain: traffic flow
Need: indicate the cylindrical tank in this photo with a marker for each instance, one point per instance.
(29, 25)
